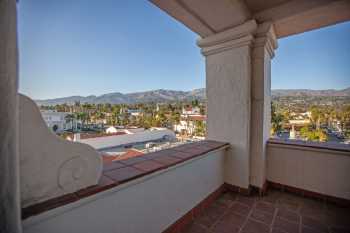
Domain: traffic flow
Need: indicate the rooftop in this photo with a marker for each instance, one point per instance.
(130, 153)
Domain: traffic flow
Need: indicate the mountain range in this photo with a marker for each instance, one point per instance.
(162, 95)
(158, 96)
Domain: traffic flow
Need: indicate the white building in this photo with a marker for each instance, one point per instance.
(191, 111)
(56, 120)
(134, 112)
(129, 138)
(187, 124)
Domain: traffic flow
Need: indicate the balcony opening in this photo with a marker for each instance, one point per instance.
(103, 75)
(311, 87)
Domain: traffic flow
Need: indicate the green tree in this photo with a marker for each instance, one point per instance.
(70, 118)
(200, 128)
(276, 120)
(313, 135)
(304, 131)
(316, 117)
(83, 117)
(195, 103)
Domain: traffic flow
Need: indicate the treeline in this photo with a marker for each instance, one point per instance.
(150, 114)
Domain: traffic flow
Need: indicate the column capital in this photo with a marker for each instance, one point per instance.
(241, 35)
(265, 37)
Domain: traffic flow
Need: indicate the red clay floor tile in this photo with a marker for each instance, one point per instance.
(158, 154)
(134, 160)
(226, 225)
(148, 165)
(265, 207)
(289, 204)
(252, 226)
(195, 228)
(277, 230)
(240, 209)
(112, 165)
(227, 199)
(288, 215)
(211, 215)
(123, 174)
(289, 227)
(167, 160)
(305, 229)
(262, 216)
(314, 224)
(246, 200)
(182, 155)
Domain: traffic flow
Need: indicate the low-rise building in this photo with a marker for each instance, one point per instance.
(134, 112)
(191, 111)
(56, 121)
(128, 137)
(188, 125)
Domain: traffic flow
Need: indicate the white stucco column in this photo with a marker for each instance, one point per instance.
(238, 84)
(263, 51)
(10, 220)
(228, 86)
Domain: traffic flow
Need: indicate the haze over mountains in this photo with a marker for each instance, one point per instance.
(172, 96)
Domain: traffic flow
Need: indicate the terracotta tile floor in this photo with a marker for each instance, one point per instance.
(278, 212)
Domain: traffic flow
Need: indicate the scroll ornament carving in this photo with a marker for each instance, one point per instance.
(49, 165)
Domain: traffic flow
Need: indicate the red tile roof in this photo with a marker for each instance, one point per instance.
(198, 118)
(130, 153)
(108, 158)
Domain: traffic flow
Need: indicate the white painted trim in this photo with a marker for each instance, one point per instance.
(240, 31)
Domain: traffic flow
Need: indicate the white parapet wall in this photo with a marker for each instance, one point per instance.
(116, 140)
(49, 165)
(321, 170)
(149, 204)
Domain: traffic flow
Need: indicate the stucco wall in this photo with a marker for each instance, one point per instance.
(228, 91)
(149, 204)
(318, 170)
(111, 141)
(261, 111)
(9, 158)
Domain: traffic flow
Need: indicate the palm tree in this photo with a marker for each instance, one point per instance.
(200, 128)
(316, 116)
(83, 117)
(70, 118)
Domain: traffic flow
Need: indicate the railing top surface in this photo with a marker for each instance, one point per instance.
(307, 144)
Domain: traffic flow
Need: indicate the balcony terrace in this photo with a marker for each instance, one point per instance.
(278, 211)
(183, 189)
(225, 184)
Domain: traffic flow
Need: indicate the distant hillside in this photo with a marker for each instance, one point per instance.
(307, 92)
(171, 96)
(131, 98)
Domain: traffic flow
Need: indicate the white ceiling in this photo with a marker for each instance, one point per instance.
(207, 17)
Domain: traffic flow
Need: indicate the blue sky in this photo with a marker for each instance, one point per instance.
(74, 48)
